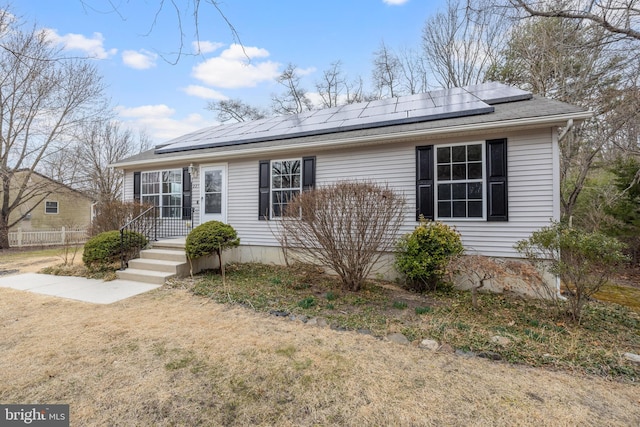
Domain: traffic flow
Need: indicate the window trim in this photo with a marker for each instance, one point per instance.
(483, 180)
(179, 172)
(57, 212)
(271, 189)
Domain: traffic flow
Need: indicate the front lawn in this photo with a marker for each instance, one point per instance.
(518, 330)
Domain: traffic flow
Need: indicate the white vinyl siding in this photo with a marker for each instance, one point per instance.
(531, 187)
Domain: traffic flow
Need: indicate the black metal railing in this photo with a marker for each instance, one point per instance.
(153, 224)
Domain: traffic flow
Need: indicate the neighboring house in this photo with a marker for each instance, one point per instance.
(52, 205)
(483, 158)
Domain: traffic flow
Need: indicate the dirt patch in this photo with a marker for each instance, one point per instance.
(170, 358)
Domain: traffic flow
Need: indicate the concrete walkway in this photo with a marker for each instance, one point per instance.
(76, 288)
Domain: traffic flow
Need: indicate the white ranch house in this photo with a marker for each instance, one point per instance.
(482, 158)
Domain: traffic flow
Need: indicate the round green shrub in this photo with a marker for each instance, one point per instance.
(210, 238)
(423, 255)
(104, 249)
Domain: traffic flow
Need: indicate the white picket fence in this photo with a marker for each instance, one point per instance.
(22, 238)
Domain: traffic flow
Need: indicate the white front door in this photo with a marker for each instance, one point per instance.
(213, 193)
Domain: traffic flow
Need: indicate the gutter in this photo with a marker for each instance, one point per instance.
(565, 132)
(196, 155)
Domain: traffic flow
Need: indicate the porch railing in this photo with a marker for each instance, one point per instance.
(154, 223)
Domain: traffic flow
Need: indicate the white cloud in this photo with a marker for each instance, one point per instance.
(140, 60)
(203, 46)
(203, 92)
(93, 47)
(395, 2)
(305, 71)
(159, 123)
(237, 67)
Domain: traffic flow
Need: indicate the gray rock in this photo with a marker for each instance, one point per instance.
(632, 357)
(317, 321)
(491, 355)
(279, 313)
(364, 332)
(338, 328)
(432, 345)
(503, 341)
(300, 318)
(446, 348)
(398, 339)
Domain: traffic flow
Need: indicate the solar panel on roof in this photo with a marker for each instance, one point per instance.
(430, 106)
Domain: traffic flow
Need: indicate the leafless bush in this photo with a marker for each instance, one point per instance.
(114, 214)
(346, 226)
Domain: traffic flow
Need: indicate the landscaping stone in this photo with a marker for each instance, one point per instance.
(631, 357)
(398, 339)
(279, 313)
(364, 332)
(491, 355)
(300, 318)
(503, 341)
(465, 353)
(432, 345)
(446, 348)
(338, 328)
(317, 321)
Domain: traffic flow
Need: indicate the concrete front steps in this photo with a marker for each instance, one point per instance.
(165, 259)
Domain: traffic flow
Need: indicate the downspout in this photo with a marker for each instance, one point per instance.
(565, 132)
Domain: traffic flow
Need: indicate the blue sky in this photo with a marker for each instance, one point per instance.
(134, 52)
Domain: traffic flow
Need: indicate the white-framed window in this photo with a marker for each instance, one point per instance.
(460, 181)
(286, 183)
(163, 189)
(51, 207)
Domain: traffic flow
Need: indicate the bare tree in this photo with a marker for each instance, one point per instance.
(414, 72)
(335, 88)
(387, 71)
(183, 12)
(332, 85)
(461, 43)
(100, 145)
(560, 59)
(294, 100)
(236, 109)
(618, 17)
(43, 99)
(346, 226)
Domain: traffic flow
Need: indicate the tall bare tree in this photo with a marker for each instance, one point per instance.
(618, 17)
(100, 145)
(334, 87)
(461, 43)
(237, 110)
(387, 72)
(561, 59)
(44, 97)
(414, 72)
(294, 99)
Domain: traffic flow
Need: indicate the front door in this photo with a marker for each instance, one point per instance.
(213, 197)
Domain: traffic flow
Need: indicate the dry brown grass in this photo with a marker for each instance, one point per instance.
(170, 358)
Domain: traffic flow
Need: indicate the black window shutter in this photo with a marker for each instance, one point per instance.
(136, 186)
(497, 203)
(263, 190)
(308, 173)
(424, 182)
(186, 194)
